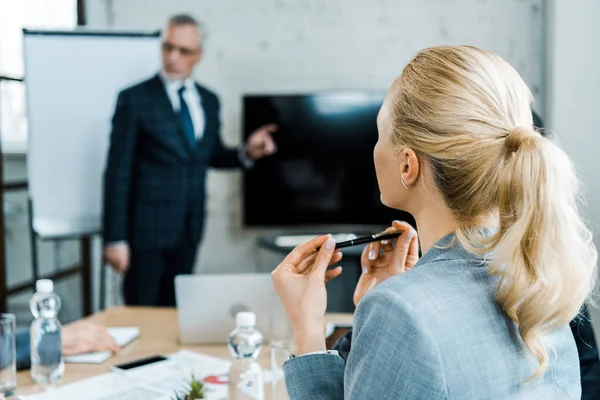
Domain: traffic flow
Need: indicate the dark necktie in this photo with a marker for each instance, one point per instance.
(186, 119)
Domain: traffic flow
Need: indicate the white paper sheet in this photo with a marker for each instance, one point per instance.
(121, 335)
(109, 386)
(158, 381)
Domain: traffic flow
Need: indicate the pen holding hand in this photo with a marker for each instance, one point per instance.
(300, 283)
(381, 260)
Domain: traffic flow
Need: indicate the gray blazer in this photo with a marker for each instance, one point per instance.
(436, 332)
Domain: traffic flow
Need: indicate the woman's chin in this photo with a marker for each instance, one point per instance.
(391, 204)
(386, 202)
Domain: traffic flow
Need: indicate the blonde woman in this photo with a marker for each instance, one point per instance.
(507, 260)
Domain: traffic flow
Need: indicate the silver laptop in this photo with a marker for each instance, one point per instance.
(207, 306)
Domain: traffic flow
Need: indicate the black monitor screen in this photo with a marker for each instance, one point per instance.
(323, 171)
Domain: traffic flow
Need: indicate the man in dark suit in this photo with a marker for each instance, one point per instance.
(165, 135)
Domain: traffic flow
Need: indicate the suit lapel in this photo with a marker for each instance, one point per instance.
(203, 105)
(164, 103)
(210, 109)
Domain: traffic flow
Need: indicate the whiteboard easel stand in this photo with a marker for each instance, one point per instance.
(84, 267)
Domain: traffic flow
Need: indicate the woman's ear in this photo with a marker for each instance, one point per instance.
(409, 166)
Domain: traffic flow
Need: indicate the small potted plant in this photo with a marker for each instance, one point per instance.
(195, 391)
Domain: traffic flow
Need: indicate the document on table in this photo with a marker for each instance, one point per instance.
(158, 381)
(109, 386)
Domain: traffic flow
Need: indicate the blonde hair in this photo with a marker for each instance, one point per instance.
(467, 112)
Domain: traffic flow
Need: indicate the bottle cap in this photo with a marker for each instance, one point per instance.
(245, 318)
(44, 286)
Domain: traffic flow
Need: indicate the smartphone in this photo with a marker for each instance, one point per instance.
(139, 363)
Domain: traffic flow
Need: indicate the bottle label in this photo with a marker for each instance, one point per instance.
(252, 386)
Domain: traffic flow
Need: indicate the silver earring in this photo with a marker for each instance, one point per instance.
(403, 183)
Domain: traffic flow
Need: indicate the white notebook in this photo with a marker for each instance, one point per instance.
(121, 335)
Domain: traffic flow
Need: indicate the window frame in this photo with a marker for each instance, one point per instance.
(20, 146)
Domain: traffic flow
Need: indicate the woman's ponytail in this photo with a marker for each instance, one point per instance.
(544, 251)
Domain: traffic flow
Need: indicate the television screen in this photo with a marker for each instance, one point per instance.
(323, 171)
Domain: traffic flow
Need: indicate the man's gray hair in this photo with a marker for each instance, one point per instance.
(186, 19)
(183, 19)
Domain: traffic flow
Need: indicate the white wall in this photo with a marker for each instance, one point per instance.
(573, 95)
(303, 45)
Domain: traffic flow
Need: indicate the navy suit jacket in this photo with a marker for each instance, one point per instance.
(154, 179)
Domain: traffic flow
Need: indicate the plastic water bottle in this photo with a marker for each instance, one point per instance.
(245, 374)
(47, 364)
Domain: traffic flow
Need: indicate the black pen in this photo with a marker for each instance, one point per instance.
(367, 239)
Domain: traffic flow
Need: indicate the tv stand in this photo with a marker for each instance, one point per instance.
(295, 240)
(285, 242)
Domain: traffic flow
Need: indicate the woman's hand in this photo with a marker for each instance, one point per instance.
(382, 260)
(300, 283)
(83, 337)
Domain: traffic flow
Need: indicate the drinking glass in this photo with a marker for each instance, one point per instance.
(8, 356)
(280, 353)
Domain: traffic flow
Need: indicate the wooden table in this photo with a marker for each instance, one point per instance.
(158, 335)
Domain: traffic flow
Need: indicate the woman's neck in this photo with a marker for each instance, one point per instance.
(434, 221)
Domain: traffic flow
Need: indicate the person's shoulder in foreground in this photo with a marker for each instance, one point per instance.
(436, 332)
(449, 303)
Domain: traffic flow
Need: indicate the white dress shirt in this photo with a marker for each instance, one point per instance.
(192, 100)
